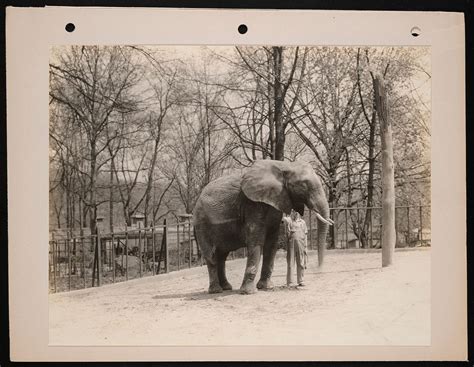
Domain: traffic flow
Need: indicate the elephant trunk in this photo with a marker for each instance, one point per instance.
(323, 226)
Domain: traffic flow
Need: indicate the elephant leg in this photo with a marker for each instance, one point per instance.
(223, 282)
(290, 261)
(269, 252)
(212, 268)
(253, 260)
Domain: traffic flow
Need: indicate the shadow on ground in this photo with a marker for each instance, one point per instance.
(203, 295)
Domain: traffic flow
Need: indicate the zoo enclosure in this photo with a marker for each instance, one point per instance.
(361, 227)
(83, 261)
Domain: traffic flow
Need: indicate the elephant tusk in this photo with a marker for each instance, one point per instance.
(324, 220)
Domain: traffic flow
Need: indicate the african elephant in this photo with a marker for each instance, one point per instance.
(246, 210)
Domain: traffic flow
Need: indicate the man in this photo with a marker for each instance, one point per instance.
(296, 249)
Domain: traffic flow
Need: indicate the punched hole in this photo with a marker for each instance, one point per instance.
(242, 29)
(415, 31)
(70, 27)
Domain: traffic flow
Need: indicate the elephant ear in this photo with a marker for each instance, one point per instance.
(264, 182)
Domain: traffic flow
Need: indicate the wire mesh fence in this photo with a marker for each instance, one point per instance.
(77, 262)
(102, 258)
(361, 227)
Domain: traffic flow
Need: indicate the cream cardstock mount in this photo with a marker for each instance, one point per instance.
(32, 32)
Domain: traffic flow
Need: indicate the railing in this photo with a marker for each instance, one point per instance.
(93, 260)
(102, 258)
(361, 227)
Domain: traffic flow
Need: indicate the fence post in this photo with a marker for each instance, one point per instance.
(372, 228)
(408, 225)
(54, 265)
(58, 259)
(335, 228)
(421, 223)
(396, 227)
(358, 227)
(83, 262)
(139, 249)
(347, 228)
(153, 247)
(69, 263)
(112, 255)
(190, 243)
(99, 257)
(167, 263)
(178, 242)
(126, 251)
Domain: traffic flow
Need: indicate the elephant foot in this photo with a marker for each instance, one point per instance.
(248, 288)
(226, 286)
(265, 284)
(215, 289)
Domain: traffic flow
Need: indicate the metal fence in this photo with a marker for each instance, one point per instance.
(77, 262)
(361, 227)
(93, 260)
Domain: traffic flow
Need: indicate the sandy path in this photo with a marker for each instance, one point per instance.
(353, 301)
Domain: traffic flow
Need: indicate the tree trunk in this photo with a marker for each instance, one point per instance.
(388, 179)
(278, 104)
(93, 204)
(151, 171)
(370, 182)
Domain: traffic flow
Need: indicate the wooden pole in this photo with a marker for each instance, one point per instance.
(99, 257)
(347, 228)
(94, 265)
(421, 223)
(126, 252)
(139, 249)
(54, 265)
(371, 243)
(408, 225)
(69, 263)
(358, 227)
(162, 247)
(145, 249)
(178, 241)
(190, 244)
(388, 178)
(153, 247)
(83, 261)
(167, 262)
(113, 254)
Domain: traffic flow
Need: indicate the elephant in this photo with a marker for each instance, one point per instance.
(246, 209)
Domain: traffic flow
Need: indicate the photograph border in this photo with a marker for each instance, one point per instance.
(27, 59)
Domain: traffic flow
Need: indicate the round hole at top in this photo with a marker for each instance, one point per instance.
(415, 31)
(242, 29)
(70, 27)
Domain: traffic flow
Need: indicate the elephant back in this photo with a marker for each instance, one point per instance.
(219, 201)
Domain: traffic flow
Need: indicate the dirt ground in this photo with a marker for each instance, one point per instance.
(351, 301)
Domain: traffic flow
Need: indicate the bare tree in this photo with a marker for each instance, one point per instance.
(94, 83)
(261, 97)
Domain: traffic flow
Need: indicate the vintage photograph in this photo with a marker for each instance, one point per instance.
(239, 195)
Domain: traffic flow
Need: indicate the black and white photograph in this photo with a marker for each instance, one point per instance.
(254, 195)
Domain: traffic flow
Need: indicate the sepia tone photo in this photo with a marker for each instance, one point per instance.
(239, 195)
